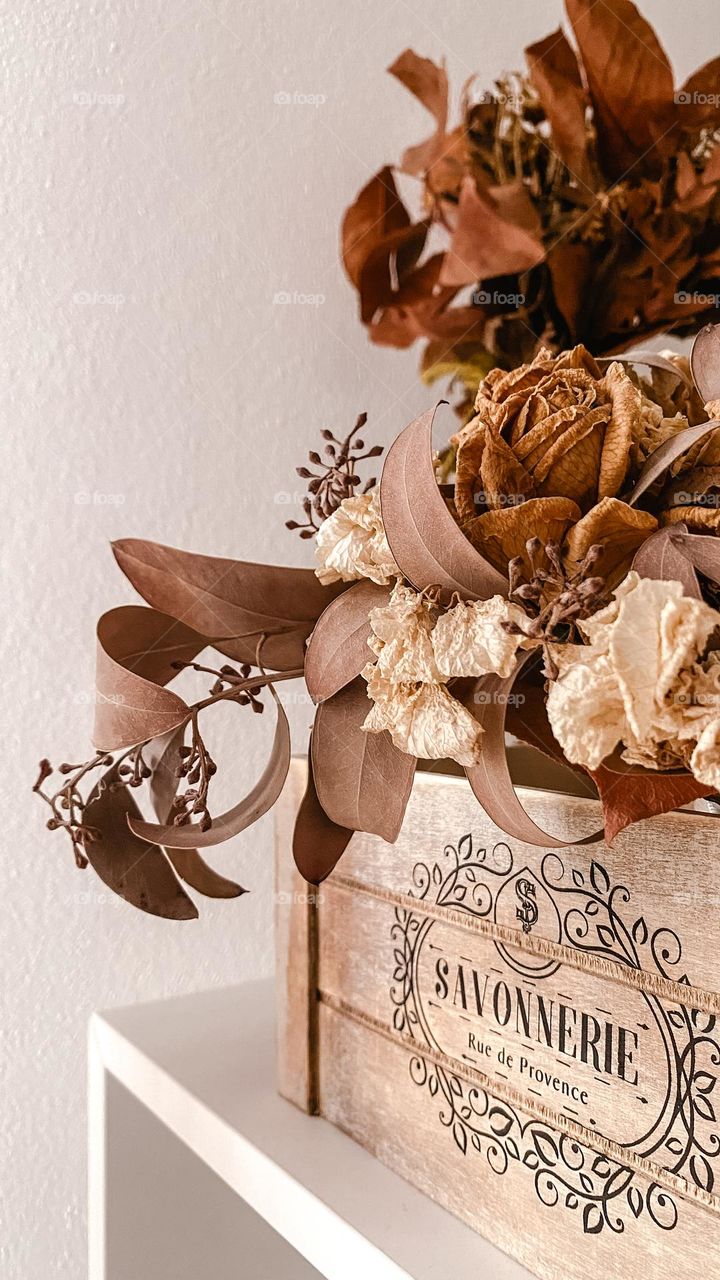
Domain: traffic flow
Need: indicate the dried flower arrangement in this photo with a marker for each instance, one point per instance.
(578, 201)
(565, 588)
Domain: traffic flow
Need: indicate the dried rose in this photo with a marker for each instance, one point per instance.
(557, 427)
(351, 543)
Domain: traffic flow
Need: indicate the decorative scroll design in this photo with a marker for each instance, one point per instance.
(596, 917)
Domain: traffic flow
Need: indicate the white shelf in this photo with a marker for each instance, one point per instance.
(204, 1066)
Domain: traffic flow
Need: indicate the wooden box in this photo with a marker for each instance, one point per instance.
(529, 1036)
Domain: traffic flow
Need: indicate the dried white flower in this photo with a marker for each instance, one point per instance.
(705, 759)
(638, 681)
(470, 640)
(585, 706)
(402, 637)
(423, 720)
(351, 543)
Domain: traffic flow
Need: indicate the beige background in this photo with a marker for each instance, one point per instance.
(158, 194)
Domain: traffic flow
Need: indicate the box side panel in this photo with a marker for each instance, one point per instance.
(648, 905)
(611, 1066)
(559, 1208)
(295, 957)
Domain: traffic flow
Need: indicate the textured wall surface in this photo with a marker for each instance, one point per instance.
(168, 171)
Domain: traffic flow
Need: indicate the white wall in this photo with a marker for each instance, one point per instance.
(177, 413)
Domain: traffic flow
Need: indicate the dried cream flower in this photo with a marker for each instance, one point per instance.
(705, 759)
(470, 640)
(407, 687)
(585, 706)
(637, 682)
(423, 720)
(401, 637)
(351, 543)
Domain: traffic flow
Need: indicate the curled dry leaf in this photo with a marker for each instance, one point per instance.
(163, 757)
(701, 550)
(380, 245)
(705, 363)
(136, 648)
(230, 602)
(363, 781)
(490, 778)
(338, 649)
(194, 870)
(242, 815)
(664, 456)
(139, 872)
(429, 84)
(424, 539)
(318, 842)
(662, 557)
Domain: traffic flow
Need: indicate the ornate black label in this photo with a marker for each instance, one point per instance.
(644, 1078)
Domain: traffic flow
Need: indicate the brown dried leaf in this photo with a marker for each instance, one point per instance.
(379, 243)
(424, 539)
(490, 779)
(230, 602)
(194, 870)
(318, 842)
(338, 650)
(242, 815)
(705, 362)
(634, 794)
(497, 233)
(661, 558)
(429, 84)
(363, 781)
(555, 73)
(135, 651)
(139, 872)
(630, 83)
(501, 535)
(664, 456)
(163, 757)
(702, 551)
(618, 528)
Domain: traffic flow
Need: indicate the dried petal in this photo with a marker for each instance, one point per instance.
(351, 543)
(423, 720)
(470, 640)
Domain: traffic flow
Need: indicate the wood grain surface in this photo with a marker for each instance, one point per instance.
(529, 1036)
